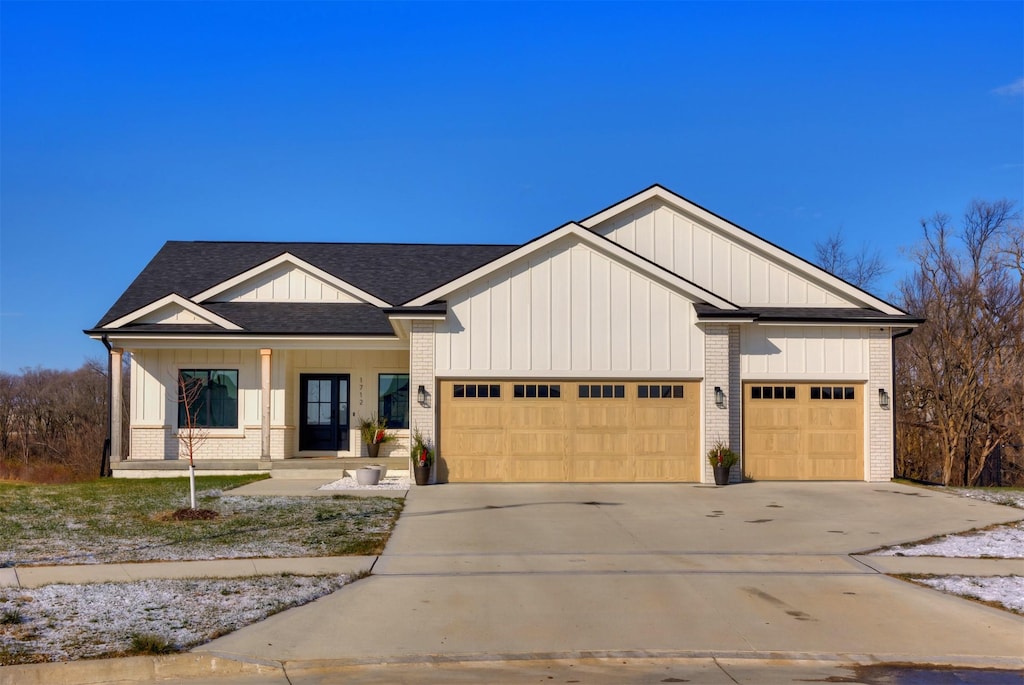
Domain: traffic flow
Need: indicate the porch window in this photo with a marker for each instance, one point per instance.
(211, 396)
(394, 399)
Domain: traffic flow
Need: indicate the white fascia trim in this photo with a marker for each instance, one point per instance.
(826, 324)
(742, 235)
(241, 342)
(599, 243)
(288, 258)
(186, 304)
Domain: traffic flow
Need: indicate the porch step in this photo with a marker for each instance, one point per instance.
(332, 469)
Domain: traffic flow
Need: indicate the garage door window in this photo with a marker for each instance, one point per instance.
(476, 390)
(532, 391)
(654, 392)
(832, 392)
(595, 392)
(773, 392)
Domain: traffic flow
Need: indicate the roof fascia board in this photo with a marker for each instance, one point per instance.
(598, 242)
(183, 341)
(289, 258)
(846, 324)
(743, 235)
(184, 303)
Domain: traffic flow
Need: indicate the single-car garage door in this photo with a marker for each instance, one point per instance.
(803, 431)
(570, 431)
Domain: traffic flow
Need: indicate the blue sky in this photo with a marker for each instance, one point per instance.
(124, 125)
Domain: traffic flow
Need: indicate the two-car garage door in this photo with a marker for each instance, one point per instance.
(570, 431)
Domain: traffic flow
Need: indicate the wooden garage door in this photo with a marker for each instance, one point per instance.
(804, 431)
(570, 431)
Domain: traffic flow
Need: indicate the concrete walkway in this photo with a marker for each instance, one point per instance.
(677, 581)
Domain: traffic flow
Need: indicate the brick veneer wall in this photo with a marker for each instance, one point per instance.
(722, 369)
(421, 372)
(880, 429)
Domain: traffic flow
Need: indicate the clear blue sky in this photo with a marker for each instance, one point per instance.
(128, 124)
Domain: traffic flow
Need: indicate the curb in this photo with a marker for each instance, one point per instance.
(175, 667)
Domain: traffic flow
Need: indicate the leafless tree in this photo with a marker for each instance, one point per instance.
(191, 434)
(862, 268)
(52, 423)
(962, 372)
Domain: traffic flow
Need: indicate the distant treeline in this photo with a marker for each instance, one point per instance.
(53, 423)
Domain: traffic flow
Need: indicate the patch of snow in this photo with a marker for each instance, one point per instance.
(1010, 498)
(388, 483)
(67, 622)
(1005, 590)
(1000, 542)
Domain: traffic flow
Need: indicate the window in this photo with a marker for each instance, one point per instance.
(654, 392)
(834, 392)
(476, 390)
(773, 392)
(595, 391)
(211, 398)
(393, 399)
(532, 391)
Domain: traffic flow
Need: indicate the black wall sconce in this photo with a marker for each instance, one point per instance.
(719, 397)
(421, 395)
(883, 398)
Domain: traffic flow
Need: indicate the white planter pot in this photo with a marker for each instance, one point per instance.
(367, 475)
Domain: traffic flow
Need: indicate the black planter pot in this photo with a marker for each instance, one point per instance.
(422, 474)
(721, 475)
(373, 450)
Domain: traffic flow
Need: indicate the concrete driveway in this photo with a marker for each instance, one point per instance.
(753, 571)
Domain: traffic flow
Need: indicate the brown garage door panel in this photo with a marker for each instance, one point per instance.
(569, 438)
(804, 439)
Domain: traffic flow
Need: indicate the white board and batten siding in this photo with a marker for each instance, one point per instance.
(285, 283)
(718, 263)
(804, 352)
(569, 309)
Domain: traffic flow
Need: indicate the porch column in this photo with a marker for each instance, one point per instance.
(116, 404)
(265, 402)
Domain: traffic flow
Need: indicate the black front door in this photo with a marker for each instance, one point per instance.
(323, 424)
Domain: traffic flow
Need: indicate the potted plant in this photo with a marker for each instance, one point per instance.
(722, 459)
(422, 458)
(374, 433)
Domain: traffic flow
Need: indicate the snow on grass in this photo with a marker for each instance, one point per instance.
(1010, 498)
(1006, 591)
(68, 622)
(998, 542)
(387, 483)
(248, 526)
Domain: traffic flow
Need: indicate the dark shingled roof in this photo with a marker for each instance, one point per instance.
(393, 273)
(707, 312)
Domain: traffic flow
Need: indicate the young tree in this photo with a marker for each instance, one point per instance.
(191, 434)
(962, 372)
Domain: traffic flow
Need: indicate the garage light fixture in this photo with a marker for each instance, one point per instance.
(883, 398)
(719, 397)
(421, 395)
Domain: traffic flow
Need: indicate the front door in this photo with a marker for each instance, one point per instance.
(323, 424)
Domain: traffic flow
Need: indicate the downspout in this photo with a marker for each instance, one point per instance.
(893, 404)
(105, 461)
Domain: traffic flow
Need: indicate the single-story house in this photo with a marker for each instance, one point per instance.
(617, 348)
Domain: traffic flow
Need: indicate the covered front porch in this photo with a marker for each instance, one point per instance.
(281, 410)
